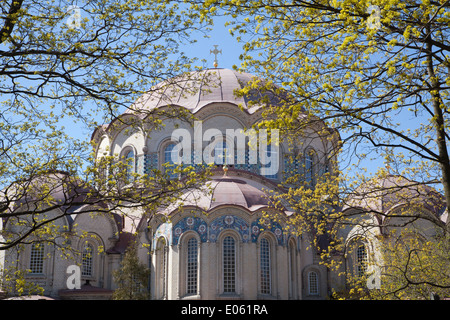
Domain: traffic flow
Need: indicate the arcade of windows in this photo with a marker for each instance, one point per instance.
(228, 271)
(36, 260)
(307, 165)
(229, 266)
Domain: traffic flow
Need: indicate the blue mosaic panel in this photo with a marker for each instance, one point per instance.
(247, 233)
(272, 226)
(197, 160)
(229, 222)
(190, 223)
(163, 230)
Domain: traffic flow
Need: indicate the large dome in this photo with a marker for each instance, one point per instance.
(195, 90)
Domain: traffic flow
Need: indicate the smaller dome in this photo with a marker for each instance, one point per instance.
(56, 187)
(237, 192)
(223, 191)
(385, 193)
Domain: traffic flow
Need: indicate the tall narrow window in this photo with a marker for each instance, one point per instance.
(309, 167)
(265, 267)
(313, 283)
(129, 161)
(292, 270)
(170, 154)
(87, 260)
(229, 265)
(37, 258)
(192, 266)
(161, 265)
(361, 259)
(271, 168)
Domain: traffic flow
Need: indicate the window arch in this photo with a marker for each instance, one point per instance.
(189, 264)
(128, 158)
(170, 153)
(37, 258)
(357, 257)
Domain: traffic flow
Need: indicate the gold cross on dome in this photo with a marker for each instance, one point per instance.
(215, 52)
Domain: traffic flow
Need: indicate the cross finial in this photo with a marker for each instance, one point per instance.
(215, 52)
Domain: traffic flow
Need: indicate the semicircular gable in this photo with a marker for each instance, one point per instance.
(107, 225)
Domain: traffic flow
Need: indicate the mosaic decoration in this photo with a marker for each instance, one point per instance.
(247, 233)
(259, 226)
(229, 222)
(190, 223)
(164, 230)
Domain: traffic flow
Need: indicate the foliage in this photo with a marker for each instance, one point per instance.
(380, 78)
(377, 73)
(132, 278)
(358, 78)
(66, 65)
(15, 283)
(419, 268)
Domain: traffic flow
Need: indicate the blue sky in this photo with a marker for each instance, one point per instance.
(220, 36)
(230, 52)
(229, 56)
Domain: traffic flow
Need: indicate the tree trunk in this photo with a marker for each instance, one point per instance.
(439, 124)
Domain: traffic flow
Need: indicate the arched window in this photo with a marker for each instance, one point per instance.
(161, 266)
(357, 257)
(192, 266)
(292, 270)
(229, 265)
(129, 161)
(361, 260)
(265, 263)
(313, 283)
(87, 260)
(272, 167)
(129, 158)
(309, 167)
(37, 258)
(170, 154)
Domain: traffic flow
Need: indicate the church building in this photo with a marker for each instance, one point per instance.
(227, 243)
